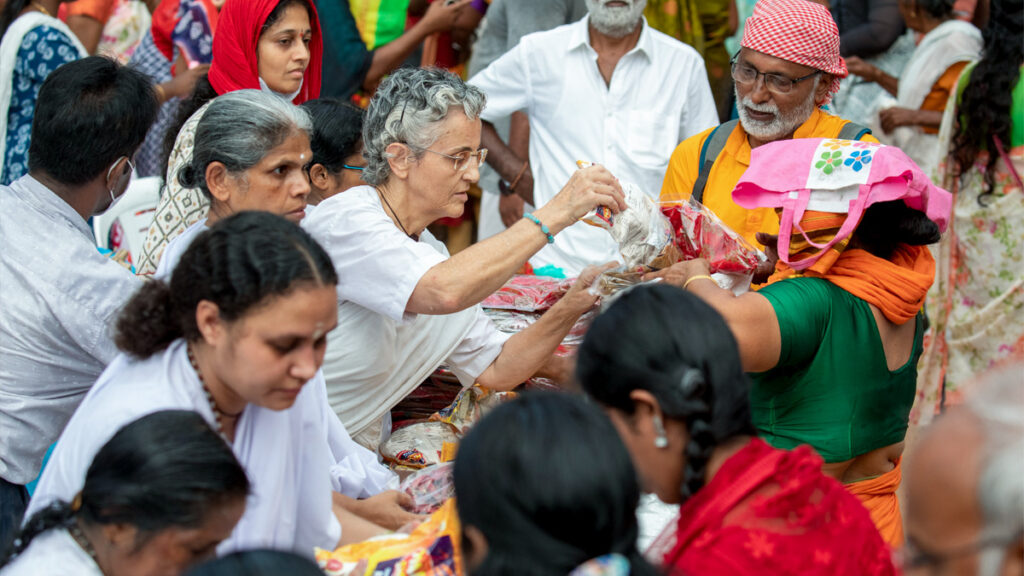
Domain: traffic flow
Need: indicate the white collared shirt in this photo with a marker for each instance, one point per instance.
(59, 298)
(53, 553)
(658, 97)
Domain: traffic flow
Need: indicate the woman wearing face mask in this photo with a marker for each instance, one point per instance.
(238, 335)
(160, 495)
(337, 144)
(270, 45)
(665, 367)
(250, 153)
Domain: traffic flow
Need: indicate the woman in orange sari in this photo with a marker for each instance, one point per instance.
(832, 342)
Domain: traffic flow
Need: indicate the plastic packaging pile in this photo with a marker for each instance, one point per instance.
(433, 548)
(700, 234)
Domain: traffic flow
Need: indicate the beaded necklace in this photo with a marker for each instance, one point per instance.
(79, 537)
(218, 414)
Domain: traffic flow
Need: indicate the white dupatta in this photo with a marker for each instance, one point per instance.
(9, 49)
(951, 42)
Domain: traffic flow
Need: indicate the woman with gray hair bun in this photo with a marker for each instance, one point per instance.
(405, 306)
(251, 152)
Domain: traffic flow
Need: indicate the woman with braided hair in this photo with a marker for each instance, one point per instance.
(158, 497)
(667, 370)
(977, 303)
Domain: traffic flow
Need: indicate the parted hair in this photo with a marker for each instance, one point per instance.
(672, 344)
(550, 484)
(238, 264)
(167, 469)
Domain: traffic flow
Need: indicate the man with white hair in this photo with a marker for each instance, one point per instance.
(965, 485)
(787, 69)
(607, 89)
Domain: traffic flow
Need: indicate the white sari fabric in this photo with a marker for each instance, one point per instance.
(951, 42)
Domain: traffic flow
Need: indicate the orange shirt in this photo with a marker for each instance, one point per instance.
(683, 168)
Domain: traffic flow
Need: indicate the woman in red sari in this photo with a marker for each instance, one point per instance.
(667, 370)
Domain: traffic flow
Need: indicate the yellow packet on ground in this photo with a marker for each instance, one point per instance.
(432, 549)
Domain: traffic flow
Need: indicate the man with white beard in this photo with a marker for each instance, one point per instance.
(787, 69)
(608, 89)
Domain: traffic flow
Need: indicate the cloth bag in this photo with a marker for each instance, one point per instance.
(837, 176)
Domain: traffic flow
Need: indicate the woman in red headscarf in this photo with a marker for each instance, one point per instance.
(270, 45)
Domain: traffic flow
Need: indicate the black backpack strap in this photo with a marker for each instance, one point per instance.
(853, 131)
(713, 146)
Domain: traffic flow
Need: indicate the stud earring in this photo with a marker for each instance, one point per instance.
(660, 439)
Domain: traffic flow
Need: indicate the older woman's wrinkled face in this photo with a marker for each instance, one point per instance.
(437, 188)
(277, 184)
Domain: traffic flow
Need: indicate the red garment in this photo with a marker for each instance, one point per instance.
(165, 18)
(234, 49)
(770, 511)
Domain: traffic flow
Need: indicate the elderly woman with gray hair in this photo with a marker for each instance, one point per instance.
(405, 306)
(250, 153)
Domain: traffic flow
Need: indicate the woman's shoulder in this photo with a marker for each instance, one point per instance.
(46, 43)
(52, 553)
(358, 208)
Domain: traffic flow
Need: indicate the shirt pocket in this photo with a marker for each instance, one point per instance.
(651, 138)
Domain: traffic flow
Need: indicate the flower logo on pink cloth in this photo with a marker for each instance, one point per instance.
(858, 159)
(829, 161)
(835, 144)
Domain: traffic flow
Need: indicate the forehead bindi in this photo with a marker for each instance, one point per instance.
(294, 21)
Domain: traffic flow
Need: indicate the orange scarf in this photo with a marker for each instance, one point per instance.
(897, 287)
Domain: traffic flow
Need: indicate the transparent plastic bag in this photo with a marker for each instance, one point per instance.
(420, 445)
(700, 234)
(527, 293)
(429, 488)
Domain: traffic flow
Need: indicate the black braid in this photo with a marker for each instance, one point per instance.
(696, 397)
(56, 515)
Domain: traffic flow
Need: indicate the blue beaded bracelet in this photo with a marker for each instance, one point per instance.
(543, 228)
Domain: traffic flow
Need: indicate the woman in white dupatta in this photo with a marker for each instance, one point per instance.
(404, 305)
(912, 120)
(35, 43)
(238, 335)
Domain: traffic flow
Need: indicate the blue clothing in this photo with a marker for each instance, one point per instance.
(43, 50)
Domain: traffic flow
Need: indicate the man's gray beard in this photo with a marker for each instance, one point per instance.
(781, 125)
(615, 22)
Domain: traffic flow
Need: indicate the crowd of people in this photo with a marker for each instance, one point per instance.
(216, 401)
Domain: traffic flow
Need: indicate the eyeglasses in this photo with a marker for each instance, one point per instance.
(745, 74)
(462, 159)
(356, 168)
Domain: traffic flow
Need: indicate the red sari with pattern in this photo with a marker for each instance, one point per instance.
(770, 511)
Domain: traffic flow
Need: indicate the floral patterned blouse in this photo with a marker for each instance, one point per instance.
(42, 51)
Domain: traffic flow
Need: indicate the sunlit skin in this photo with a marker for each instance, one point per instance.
(282, 52)
(266, 356)
(277, 184)
(758, 91)
(169, 552)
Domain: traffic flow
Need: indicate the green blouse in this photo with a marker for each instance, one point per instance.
(832, 388)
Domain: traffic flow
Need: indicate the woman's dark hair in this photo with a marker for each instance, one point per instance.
(258, 563)
(165, 470)
(238, 264)
(670, 343)
(985, 106)
(887, 225)
(89, 113)
(204, 92)
(337, 132)
(12, 9)
(939, 9)
(549, 483)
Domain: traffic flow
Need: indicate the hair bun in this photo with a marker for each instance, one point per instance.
(187, 176)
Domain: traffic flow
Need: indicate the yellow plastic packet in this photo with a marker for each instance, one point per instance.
(434, 548)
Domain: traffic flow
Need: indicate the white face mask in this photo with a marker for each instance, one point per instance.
(115, 199)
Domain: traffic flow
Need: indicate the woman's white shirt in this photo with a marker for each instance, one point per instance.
(379, 353)
(53, 553)
(294, 458)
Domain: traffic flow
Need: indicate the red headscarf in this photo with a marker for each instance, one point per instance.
(234, 48)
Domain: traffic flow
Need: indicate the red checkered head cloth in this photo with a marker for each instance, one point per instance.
(797, 31)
